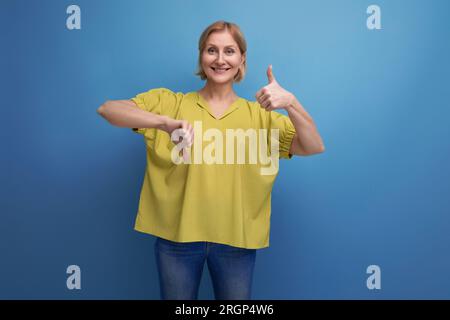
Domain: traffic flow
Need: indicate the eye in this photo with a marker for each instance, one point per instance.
(228, 51)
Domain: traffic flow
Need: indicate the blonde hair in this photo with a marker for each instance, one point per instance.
(237, 35)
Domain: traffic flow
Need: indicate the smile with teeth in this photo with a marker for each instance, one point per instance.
(220, 70)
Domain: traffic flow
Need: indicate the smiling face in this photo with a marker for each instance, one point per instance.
(221, 57)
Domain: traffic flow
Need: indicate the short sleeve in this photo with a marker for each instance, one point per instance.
(286, 133)
(160, 101)
(275, 120)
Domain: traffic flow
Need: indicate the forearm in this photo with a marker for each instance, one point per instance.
(306, 131)
(122, 114)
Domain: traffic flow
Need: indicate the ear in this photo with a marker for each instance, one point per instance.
(243, 57)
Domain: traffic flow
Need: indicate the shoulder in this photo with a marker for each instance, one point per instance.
(255, 108)
(249, 104)
(162, 91)
(161, 95)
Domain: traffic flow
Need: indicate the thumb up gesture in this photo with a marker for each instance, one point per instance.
(272, 96)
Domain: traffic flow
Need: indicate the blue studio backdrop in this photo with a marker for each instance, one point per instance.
(374, 207)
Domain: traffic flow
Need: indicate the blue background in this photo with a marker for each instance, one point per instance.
(378, 195)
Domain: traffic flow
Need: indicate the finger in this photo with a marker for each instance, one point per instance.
(179, 124)
(184, 125)
(191, 134)
(264, 97)
(188, 135)
(186, 154)
(187, 127)
(189, 138)
(270, 75)
(262, 104)
(260, 93)
(266, 104)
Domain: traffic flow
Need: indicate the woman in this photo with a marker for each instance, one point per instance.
(202, 207)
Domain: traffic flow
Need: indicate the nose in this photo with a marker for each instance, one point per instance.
(220, 59)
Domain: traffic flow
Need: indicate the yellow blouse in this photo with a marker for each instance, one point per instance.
(214, 200)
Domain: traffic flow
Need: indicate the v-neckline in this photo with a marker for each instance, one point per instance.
(203, 103)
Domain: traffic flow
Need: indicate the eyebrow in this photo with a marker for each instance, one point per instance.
(230, 45)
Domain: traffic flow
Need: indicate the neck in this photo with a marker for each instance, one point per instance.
(218, 91)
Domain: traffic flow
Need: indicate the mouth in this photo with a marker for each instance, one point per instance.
(220, 70)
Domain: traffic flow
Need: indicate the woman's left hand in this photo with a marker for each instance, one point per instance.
(273, 96)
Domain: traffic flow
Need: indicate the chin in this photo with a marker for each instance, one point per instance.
(212, 79)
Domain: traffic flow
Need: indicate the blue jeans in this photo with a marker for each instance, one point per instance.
(180, 268)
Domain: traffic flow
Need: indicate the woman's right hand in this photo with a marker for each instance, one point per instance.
(187, 132)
